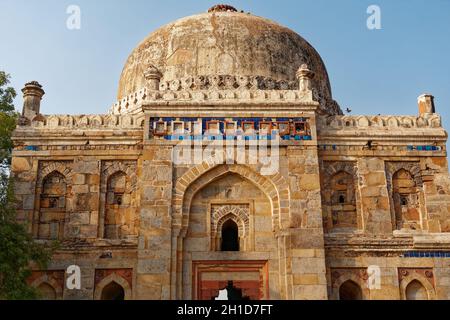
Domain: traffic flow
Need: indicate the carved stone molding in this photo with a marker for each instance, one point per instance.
(126, 274)
(110, 121)
(412, 167)
(47, 167)
(426, 273)
(238, 213)
(110, 168)
(363, 122)
(227, 82)
(332, 167)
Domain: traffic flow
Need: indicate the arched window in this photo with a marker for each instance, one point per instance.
(52, 206)
(416, 291)
(46, 292)
(230, 236)
(343, 201)
(406, 200)
(113, 291)
(118, 201)
(349, 290)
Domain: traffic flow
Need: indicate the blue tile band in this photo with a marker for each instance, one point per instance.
(426, 254)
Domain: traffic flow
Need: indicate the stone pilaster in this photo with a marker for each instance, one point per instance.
(307, 253)
(436, 187)
(24, 171)
(83, 221)
(375, 204)
(154, 251)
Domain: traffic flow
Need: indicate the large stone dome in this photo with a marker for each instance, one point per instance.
(225, 42)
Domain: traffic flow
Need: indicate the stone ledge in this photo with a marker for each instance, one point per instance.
(230, 256)
(93, 244)
(428, 241)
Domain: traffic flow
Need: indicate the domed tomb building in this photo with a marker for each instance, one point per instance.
(226, 163)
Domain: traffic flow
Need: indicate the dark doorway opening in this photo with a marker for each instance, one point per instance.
(230, 236)
(113, 291)
(350, 291)
(234, 294)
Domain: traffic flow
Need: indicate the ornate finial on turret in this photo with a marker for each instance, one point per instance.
(32, 96)
(153, 77)
(426, 104)
(304, 75)
(222, 8)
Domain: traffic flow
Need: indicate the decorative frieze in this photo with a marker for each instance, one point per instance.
(230, 128)
(227, 82)
(103, 147)
(176, 93)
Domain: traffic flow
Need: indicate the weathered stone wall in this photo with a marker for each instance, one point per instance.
(305, 247)
(410, 256)
(154, 251)
(342, 202)
(396, 274)
(80, 243)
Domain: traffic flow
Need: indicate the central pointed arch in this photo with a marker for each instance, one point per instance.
(274, 187)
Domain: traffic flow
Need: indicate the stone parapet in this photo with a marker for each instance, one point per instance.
(133, 104)
(348, 123)
(68, 122)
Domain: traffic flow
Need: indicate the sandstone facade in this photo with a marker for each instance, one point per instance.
(358, 208)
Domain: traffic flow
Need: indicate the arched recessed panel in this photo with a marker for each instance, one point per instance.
(46, 292)
(416, 291)
(117, 203)
(210, 195)
(406, 200)
(52, 206)
(343, 200)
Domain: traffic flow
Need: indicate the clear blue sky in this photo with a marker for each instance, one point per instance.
(380, 71)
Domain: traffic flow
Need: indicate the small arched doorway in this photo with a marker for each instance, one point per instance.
(46, 292)
(113, 292)
(350, 290)
(230, 236)
(416, 291)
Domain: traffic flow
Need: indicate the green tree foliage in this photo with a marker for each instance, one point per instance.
(17, 248)
(8, 117)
